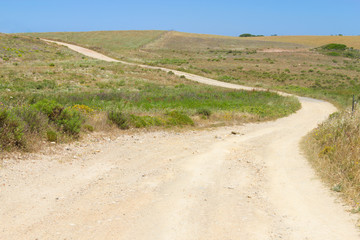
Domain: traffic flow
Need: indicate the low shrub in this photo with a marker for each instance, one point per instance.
(204, 112)
(67, 119)
(49, 107)
(35, 121)
(144, 121)
(11, 131)
(334, 46)
(176, 118)
(70, 121)
(335, 49)
(119, 118)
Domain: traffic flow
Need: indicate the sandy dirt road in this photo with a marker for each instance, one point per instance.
(207, 184)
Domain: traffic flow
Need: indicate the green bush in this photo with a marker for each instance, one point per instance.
(35, 121)
(334, 46)
(49, 107)
(11, 131)
(119, 118)
(70, 121)
(176, 118)
(334, 49)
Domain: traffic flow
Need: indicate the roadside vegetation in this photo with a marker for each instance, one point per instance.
(333, 150)
(49, 93)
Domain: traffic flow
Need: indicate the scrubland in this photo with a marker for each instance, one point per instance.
(48, 92)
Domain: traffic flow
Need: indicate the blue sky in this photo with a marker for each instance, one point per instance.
(226, 17)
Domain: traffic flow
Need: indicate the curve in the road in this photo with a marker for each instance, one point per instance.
(254, 186)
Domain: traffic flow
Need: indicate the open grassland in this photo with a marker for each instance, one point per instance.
(121, 44)
(49, 92)
(294, 69)
(111, 43)
(195, 42)
(313, 41)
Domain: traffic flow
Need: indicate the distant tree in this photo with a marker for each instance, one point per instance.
(246, 35)
(250, 35)
(274, 35)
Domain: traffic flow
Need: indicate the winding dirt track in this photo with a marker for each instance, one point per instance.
(194, 185)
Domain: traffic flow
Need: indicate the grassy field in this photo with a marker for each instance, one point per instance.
(48, 92)
(112, 43)
(313, 41)
(195, 42)
(294, 69)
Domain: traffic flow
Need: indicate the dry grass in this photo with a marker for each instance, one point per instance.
(314, 41)
(195, 42)
(238, 60)
(333, 150)
(112, 43)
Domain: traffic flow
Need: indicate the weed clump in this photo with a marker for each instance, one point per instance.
(70, 121)
(35, 121)
(119, 118)
(11, 131)
(51, 136)
(177, 118)
(204, 113)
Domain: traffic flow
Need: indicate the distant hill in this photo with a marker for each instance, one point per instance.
(314, 41)
(193, 41)
(116, 43)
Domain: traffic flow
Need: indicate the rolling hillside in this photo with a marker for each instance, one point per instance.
(313, 41)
